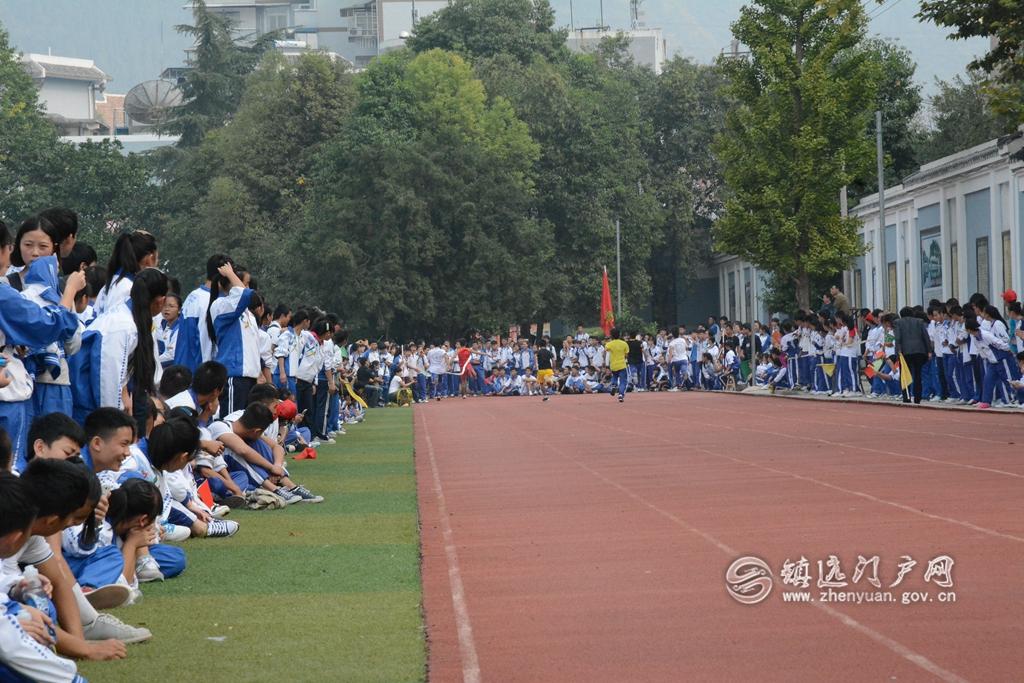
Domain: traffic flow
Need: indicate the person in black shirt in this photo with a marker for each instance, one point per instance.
(367, 383)
(635, 359)
(545, 368)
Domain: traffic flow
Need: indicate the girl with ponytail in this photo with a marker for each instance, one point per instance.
(133, 252)
(117, 346)
(235, 333)
(194, 346)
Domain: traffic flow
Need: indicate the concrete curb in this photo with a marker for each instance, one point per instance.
(796, 396)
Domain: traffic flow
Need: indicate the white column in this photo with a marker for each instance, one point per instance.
(945, 239)
(995, 239)
(961, 245)
(1016, 186)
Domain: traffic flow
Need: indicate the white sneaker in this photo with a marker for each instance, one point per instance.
(147, 569)
(107, 626)
(109, 596)
(328, 440)
(175, 533)
(220, 511)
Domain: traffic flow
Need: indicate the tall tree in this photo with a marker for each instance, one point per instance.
(804, 99)
(961, 117)
(29, 148)
(485, 28)
(899, 100)
(243, 189)
(1003, 64)
(215, 82)
(428, 190)
(686, 106)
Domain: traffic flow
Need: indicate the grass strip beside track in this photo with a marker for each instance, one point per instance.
(327, 592)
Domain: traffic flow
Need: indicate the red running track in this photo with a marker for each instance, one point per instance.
(583, 540)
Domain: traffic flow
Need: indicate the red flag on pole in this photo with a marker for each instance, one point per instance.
(607, 317)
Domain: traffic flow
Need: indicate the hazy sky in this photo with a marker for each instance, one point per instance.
(134, 40)
(700, 29)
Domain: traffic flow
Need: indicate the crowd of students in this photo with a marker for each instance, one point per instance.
(133, 419)
(951, 352)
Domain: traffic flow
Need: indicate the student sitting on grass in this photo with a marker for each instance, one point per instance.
(203, 396)
(23, 630)
(64, 494)
(171, 448)
(55, 436)
(251, 459)
(127, 533)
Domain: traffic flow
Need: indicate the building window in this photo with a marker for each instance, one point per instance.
(747, 287)
(954, 267)
(275, 20)
(894, 289)
(1007, 262)
(308, 5)
(906, 283)
(732, 295)
(981, 254)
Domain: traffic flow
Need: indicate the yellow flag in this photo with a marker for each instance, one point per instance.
(828, 368)
(906, 379)
(353, 394)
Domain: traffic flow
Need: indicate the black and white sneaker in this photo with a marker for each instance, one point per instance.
(621, 399)
(221, 528)
(289, 497)
(306, 495)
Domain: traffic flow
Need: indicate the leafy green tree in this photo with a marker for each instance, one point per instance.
(110, 191)
(242, 190)
(1003, 64)
(804, 99)
(585, 114)
(686, 106)
(523, 29)
(961, 117)
(29, 147)
(428, 192)
(899, 99)
(215, 82)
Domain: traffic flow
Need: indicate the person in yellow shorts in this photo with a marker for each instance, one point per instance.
(545, 369)
(617, 350)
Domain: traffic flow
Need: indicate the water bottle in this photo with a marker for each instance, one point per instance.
(33, 595)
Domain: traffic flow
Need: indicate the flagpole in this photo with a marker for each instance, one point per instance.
(618, 268)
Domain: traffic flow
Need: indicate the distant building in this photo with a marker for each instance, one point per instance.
(646, 45)
(354, 30)
(68, 89)
(110, 112)
(953, 228)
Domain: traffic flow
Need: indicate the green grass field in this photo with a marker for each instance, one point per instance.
(327, 592)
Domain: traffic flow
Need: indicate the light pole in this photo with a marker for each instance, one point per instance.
(618, 268)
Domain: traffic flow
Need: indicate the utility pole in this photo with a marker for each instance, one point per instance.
(881, 210)
(618, 268)
(602, 15)
(572, 20)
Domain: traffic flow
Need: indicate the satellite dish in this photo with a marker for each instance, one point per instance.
(150, 102)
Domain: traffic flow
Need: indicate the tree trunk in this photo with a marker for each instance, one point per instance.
(803, 289)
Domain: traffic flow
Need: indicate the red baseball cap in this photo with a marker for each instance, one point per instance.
(1009, 296)
(287, 410)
